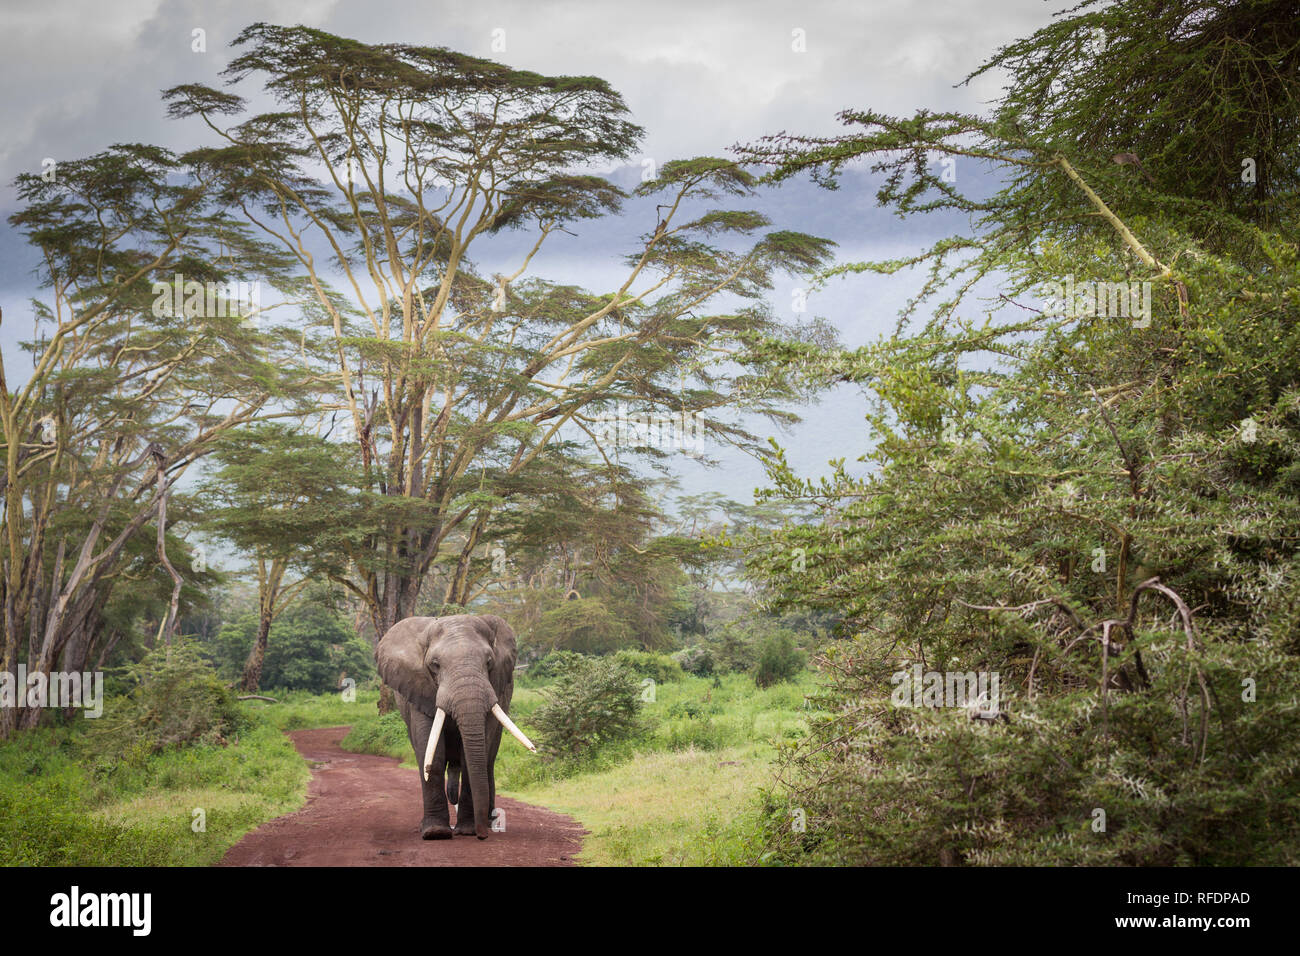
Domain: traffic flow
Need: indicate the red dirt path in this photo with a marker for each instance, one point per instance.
(364, 810)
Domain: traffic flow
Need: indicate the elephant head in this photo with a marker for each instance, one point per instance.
(460, 667)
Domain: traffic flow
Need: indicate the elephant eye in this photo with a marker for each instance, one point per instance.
(489, 662)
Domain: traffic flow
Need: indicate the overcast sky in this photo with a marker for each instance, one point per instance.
(699, 76)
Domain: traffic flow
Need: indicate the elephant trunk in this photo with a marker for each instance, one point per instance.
(473, 739)
(469, 702)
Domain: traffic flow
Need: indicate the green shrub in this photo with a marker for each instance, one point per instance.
(593, 701)
(178, 700)
(660, 668)
(549, 667)
(697, 660)
(778, 660)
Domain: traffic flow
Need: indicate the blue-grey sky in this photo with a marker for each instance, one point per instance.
(79, 75)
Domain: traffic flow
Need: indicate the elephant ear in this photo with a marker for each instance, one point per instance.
(401, 659)
(504, 653)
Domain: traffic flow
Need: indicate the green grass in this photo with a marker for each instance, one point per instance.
(686, 793)
(380, 734)
(61, 805)
(60, 808)
(676, 808)
(300, 709)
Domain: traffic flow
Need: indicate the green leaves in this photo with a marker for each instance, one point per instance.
(593, 701)
(558, 199)
(1033, 472)
(795, 252)
(707, 176)
(191, 99)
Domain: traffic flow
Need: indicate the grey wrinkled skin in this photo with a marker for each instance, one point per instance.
(464, 664)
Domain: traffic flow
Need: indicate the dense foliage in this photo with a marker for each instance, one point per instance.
(311, 647)
(177, 700)
(1097, 505)
(778, 660)
(592, 701)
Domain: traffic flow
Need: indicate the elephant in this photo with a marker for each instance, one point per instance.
(453, 678)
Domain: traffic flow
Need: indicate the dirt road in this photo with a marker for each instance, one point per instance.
(364, 810)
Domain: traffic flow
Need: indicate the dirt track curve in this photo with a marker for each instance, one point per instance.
(364, 810)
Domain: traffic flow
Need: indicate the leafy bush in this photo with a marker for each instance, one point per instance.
(695, 660)
(593, 701)
(1106, 520)
(178, 699)
(905, 793)
(549, 667)
(778, 660)
(660, 668)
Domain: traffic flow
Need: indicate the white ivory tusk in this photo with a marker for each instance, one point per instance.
(509, 725)
(438, 717)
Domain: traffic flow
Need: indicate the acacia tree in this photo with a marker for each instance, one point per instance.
(386, 165)
(277, 492)
(128, 389)
(1097, 504)
(580, 543)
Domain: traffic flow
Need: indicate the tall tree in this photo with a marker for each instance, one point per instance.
(138, 367)
(585, 537)
(277, 492)
(386, 165)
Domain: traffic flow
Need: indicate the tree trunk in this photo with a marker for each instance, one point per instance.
(253, 668)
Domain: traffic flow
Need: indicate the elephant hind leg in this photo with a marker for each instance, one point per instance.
(453, 783)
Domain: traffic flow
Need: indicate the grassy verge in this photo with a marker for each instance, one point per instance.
(302, 710)
(686, 794)
(674, 808)
(184, 806)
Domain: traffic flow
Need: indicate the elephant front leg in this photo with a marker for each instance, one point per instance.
(436, 824)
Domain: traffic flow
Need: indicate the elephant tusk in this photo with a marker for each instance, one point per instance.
(438, 717)
(509, 725)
